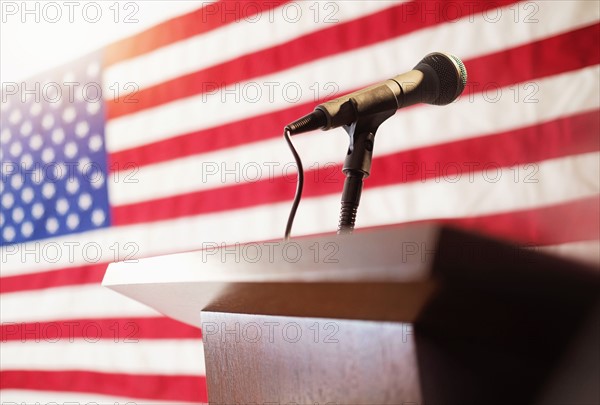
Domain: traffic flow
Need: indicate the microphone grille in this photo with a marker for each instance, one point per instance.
(451, 73)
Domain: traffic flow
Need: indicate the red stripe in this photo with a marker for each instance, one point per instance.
(562, 137)
(550, 56)
(154, 387)
(54, 278)
(562, 223)
(574, 221)
(554, 55)
(330, 41)
(118, 329)
(203, 20)
(225, 136)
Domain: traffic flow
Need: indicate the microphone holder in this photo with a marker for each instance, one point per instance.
(357, 165)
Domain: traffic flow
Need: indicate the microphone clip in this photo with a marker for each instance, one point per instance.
(357, 165)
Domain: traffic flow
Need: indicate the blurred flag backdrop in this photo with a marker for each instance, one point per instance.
(172, 140)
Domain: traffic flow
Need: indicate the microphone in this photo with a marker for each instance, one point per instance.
(439, 78)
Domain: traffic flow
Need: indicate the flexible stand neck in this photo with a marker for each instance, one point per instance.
(357, 165)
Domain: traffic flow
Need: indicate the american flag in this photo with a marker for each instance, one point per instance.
(170, 140)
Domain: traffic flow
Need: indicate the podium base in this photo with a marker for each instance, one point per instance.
(292, 360)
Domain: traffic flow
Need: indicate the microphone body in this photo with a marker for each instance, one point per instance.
(437, 79)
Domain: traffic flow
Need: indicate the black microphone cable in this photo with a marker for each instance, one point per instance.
(299, 184)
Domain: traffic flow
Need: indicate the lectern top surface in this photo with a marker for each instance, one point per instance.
(375, 255)
(379, 274)
(181, 285)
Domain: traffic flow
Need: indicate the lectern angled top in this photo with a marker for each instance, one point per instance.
(181, 285)
(376, 274)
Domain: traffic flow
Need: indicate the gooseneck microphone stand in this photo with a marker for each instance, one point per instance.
(438, 79)
(357, 165)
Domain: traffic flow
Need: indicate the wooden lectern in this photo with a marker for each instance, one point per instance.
(420, 314)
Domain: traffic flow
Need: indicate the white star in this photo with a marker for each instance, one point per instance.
(58, 135)
(5, 135)
(48, 190)
(26, 229)
(52, 225)
(82, 128)
(95, 143)
(48, 121)
(72, 221)
(7, 200)
(69, 114)
(48, 155)
(71, 150)
(8, 233)
(36, 142)
(26, 128)
(62, 206)
(16, 181)
(72, 185)
(15, 117)
(84, 165)
(98, 217)
(27, 195)
(18, 214)
(85, 201)
(16, 149)
(37, 210)
(26, 161)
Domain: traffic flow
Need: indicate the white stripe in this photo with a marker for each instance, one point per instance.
(267, 29)
(368, 64)
(587, 251)
(149, 356)
(20, 397)
(73, 302)
(410, 129)
(558, 180)
(549, 182)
